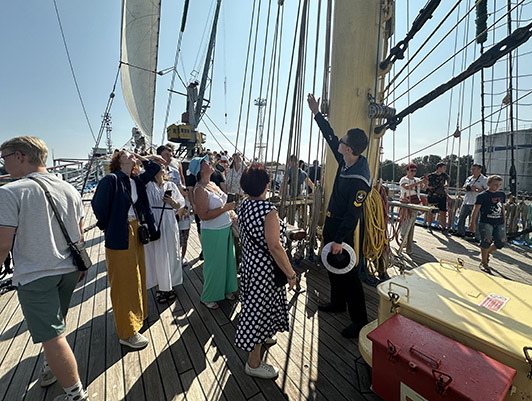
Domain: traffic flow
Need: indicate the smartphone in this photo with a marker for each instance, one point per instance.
(168, 193)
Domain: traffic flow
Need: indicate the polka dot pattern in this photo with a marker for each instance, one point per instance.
(264, 308)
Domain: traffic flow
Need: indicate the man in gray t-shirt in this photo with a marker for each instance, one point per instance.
(475, 184)
(44, 272)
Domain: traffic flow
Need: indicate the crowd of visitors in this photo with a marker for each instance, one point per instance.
(145, 208)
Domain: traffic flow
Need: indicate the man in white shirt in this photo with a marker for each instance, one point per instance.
(410, 193)
(474, 184)
(44, 272)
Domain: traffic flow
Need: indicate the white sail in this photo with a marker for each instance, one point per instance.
(139, 42)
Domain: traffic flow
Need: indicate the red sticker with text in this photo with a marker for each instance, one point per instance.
(494, 302)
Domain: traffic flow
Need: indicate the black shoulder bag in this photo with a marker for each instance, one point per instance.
(144, 233)
(81, 258)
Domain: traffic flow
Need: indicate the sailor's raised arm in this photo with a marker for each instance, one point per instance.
(325, 127)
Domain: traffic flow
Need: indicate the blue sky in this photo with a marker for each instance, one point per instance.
(38, 95)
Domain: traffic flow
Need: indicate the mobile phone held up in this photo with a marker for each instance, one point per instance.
(168, 193)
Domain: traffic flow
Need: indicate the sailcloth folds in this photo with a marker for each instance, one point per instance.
(139, 42)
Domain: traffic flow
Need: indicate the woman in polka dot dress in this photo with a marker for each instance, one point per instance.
(264, 308)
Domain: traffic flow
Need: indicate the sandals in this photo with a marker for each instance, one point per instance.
(165, 296)
(211, 305)
(230, 296)
(485, 268)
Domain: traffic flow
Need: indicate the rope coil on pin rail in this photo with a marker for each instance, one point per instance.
(488, 59)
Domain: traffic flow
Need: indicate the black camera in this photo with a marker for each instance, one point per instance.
(468, 187)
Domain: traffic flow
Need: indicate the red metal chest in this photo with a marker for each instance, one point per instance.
(414, 363)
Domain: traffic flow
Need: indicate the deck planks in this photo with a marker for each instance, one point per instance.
(191, 355)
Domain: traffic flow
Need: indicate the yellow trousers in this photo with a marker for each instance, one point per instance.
(126, 271)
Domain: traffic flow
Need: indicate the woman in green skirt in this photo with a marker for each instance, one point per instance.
(217, 215)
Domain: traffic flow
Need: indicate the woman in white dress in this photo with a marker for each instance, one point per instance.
(163, 259)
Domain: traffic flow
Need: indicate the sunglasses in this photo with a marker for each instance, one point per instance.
(344, 142)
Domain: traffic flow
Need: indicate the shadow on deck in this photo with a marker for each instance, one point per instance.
(191, 355)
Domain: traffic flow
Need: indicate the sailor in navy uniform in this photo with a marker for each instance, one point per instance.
(350, 190)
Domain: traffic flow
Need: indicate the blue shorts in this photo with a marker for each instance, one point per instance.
(492, 234)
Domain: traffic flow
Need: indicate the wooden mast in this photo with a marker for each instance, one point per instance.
(353, 68)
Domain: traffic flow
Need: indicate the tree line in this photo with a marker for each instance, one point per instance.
(391, 171)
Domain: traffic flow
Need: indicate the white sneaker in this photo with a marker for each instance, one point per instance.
(137, 341)
(264, 371)
(47, 378)
(184, 262)
(271, 341)
(64, 397)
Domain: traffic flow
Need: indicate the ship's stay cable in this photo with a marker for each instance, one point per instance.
(281, 135)
(448, 59)
(174, 69)
(465, 128)
(245, 76)
(260, 129)
(252, 74)
(72, 70)
(203, 45)
(102, 129)
(397, 52)
(452, 74)
(392, 80)
(273, 83)
(221, 132)
(517, 38)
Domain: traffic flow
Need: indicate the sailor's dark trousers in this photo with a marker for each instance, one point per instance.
(346, 288)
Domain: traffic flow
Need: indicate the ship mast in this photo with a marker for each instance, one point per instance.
(355, 47)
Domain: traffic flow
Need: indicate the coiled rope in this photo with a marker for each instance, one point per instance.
(376, 243)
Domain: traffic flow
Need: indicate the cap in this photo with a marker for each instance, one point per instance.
(341, 263)
(195, 164)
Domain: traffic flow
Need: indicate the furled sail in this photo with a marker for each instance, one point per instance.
(139, 42)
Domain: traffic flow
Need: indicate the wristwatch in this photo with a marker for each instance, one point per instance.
(292, 277)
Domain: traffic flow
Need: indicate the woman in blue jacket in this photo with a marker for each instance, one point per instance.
(121, 205)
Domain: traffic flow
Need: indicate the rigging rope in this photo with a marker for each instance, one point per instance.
(102, 129)
(174, 70)
(517, 38)
(392, 81)
(72, 70)
(245, 76)
(258, 135)
(448, 59)
(397, 52)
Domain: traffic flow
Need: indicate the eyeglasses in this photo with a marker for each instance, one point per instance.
(4, 156)
(344, 142)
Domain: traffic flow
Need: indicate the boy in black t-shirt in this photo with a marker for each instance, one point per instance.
(492, 224)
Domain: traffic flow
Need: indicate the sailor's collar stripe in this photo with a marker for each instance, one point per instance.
(361, 177)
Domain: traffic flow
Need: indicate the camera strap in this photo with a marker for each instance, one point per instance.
(54, 208)
(130, 198)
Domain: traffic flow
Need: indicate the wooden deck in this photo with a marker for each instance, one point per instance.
(191, 355)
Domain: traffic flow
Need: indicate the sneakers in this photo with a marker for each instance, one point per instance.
(47, 378)
(271, 341)
(64, 397)
(330, 307)
(137, 341)
(263, 371)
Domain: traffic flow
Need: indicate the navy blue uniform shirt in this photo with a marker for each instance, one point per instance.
(351, 185)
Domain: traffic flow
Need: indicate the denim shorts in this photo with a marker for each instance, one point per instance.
(492, 234)
(45, 303)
